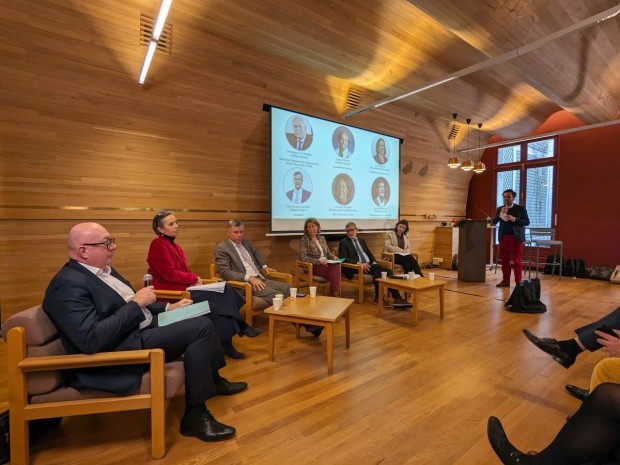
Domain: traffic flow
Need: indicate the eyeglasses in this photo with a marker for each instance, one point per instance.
(107, 243)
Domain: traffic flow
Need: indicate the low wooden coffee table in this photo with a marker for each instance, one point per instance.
(415, 287)
(319, 310)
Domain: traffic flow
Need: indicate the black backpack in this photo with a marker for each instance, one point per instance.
(575, 267)
(525, 298)
(549, 268)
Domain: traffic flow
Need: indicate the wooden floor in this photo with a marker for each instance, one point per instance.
(399, 395)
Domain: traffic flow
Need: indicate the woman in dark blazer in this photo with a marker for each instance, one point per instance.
(168, 266)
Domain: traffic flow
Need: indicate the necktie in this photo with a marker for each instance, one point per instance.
(297, 195)
(359, 251)
(298, 144)
(246, 255)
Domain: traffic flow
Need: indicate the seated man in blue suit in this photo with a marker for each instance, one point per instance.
(354, 250)
(96, 310)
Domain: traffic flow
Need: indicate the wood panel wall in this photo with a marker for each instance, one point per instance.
(81, 140)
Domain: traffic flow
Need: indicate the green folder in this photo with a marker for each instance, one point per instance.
(183, 313)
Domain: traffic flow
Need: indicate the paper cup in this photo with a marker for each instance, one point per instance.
(431, 276)
(277, 304)
(279, 296)
(384, 274)
(293, 293)
(312, 291)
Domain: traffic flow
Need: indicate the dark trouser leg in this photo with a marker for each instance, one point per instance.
(409, 263)
(375, 271)
(586, 333)
(224, 311)
(195, 338)
(590, 435)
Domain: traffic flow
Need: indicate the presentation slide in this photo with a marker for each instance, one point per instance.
(332, 172)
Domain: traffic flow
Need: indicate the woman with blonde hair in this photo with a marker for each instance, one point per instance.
(313, 249)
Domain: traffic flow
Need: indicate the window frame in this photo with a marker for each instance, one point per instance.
(523, 165)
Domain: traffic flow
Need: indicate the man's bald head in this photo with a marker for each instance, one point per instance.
(86, 244)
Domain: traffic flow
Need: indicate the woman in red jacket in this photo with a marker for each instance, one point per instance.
(168, 266)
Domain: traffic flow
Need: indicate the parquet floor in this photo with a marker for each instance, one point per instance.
(400, 395)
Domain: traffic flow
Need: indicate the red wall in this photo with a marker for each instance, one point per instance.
(588, 201)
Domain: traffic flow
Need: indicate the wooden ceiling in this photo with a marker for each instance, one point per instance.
(387, 47)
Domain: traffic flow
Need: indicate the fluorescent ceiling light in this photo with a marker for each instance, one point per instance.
(159, 27)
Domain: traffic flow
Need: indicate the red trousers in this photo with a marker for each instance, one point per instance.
(511, 250)
(330, 272)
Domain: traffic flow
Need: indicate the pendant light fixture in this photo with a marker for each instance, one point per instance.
(467, 165)
(454, 161)
(479, 166)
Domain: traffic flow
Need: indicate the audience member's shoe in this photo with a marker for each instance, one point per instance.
(503, 284)
(552, 347)
(577, 392)
(226, 388)
(315, 330)
(206, 428)
(402, 303)
(507, 453)
(250, 331)
(230, 350)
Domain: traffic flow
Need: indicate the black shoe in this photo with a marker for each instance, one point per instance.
(503, 284)
(577, 392)
(250, 331)
(552, 347)
(401, 303)
(206, 428)
(230, 350)
(226, 388)
(315, 330)
(507, 453)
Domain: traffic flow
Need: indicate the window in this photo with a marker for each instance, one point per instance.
(532, 177)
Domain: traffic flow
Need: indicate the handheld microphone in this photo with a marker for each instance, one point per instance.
(148, 280)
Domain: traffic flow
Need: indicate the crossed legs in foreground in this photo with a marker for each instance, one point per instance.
(565, 352)
(590, 436)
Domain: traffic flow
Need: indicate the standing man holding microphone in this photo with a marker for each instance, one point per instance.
(512, 219)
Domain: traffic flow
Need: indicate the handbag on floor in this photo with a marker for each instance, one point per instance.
(525, 298)
(602, 272)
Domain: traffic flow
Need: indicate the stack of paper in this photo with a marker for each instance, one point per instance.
(213, 287)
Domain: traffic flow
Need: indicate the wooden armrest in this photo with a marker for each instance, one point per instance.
(286, 277)
(245, 287)
(165, 294)
(354, 266)
(211, 280)
(302, 264)
(385, 264)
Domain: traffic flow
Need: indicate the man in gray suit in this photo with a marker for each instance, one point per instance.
(237, 260)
